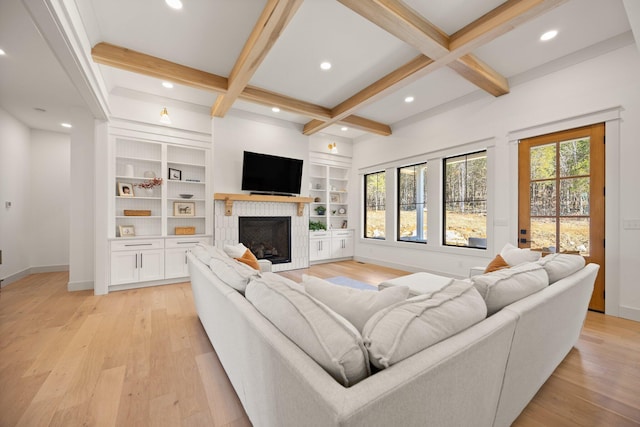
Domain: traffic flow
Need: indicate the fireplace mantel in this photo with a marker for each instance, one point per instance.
(229, 198)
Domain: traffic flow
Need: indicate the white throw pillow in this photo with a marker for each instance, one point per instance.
(501, 288)
(232, 272)
(559, 266)
(407, 327)
(324, 335)
(515, 256)
(205, 252)
(235, 251)
(355, 305)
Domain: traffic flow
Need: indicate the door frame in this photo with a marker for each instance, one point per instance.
(611, 117)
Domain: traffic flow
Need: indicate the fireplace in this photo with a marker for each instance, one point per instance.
(268, 237)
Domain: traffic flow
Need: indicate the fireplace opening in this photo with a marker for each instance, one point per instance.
(268, 237)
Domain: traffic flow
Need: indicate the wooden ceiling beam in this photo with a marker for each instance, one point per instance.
(374, 91)
(141, 63)
(137, 62)
(402, 21)
(273, 20)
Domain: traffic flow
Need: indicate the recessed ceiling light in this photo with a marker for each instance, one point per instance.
(168, 85)
(2, 52)
(66, 125)
(275, 109)
(325, 65)
(344, 128)
(549, 35)
(409, 99)
(174, 4)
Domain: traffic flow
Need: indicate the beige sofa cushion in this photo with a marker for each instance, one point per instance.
(516, 256)
(559, 266)
(407, 327)
(324, 335)
(230, 271)
(355, 305)
(501, 288)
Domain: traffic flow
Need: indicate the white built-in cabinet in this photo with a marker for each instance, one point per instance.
(150, 249)
(341, 243)
(330, 245)
(319, 245)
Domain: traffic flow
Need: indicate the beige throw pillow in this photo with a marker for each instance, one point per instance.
(324, 335)
(515, 256)
(559, 266)
(407, 327)
(355, 305)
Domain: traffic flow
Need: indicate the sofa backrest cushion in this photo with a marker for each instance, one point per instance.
(407, 327)
(501, 288)
(231, 272)
(204, 252)
(235, 251)
(515, 256)
(328, 338)
(559, 266)
(355, 305)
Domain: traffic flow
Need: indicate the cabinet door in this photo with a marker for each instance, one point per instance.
(151, 265)
(319, 249)
(342, 245)
(176, 263)
(124, 267)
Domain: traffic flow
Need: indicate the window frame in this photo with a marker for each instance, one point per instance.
(398, 169)
(444, 198)
(366, 206)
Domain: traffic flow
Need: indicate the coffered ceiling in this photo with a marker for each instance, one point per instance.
(253, 55)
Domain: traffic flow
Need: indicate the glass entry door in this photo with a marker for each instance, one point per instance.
(561, 197)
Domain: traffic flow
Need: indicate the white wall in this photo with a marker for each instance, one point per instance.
(234, 134)
(15, 149)
(607, 81)
(50, 197)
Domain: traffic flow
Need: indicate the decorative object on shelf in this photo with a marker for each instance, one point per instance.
(317, 199)
(186, 196)
(128, 170)
(316, 226)
(342, 211)
(164, 116)
(127, 230)
(192, 180)
(344, 224)
(149, 185)
(333, 148)
(125, 189)
(320, 210)
(185, 230)
(137, 212)
(335, 198)
(175, 174)
(149, 174)
(184, 209)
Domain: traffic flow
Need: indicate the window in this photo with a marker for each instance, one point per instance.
(374, 205)
(465, 200)
(412, 203)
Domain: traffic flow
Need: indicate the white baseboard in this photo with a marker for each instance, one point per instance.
(15, 277)
(630, 313)
(33, 270)
(80, 286)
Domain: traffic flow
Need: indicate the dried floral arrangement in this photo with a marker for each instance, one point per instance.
(150, 183)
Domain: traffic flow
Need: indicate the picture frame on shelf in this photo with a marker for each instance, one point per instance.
(344, 224)
(184, 209)
(175, 174)
(335, 198)
(127, 230)
(125, 189)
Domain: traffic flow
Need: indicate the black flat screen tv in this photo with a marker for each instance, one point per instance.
(267, 174)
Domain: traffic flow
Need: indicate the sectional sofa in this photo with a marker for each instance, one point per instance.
(482, 375)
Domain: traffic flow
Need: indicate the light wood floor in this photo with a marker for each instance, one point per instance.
(141, 358)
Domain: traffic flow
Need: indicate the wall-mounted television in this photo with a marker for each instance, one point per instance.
(268, 174)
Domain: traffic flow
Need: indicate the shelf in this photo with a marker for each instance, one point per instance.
(185, 164)
(137, 217)
(181, 199)
(230, 198)
(138, 159)
(137, 198)
(186, 217)
(185, 182)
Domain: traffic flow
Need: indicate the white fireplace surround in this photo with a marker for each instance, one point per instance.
(226, 229)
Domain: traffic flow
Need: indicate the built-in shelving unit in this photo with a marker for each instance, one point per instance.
(328, 188)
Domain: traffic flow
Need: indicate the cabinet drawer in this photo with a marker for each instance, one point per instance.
(319, 235)
(186, 242)
(344, 233)
(136, 245)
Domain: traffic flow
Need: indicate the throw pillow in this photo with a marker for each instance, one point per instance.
(324, 335)
(250, 259)
(514, 256)
(355, 305)
(407, 327)
(503, 287)
(498, 263)
(559, 266)
(232, 272)
(235, 251)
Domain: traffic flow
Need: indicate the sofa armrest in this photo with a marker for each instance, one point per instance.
(475, 271)
(265, 265)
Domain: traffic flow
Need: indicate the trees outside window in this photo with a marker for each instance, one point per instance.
(412, 203)
(374, 205)
(465, 200)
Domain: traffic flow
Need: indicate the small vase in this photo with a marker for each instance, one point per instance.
(128, 170)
